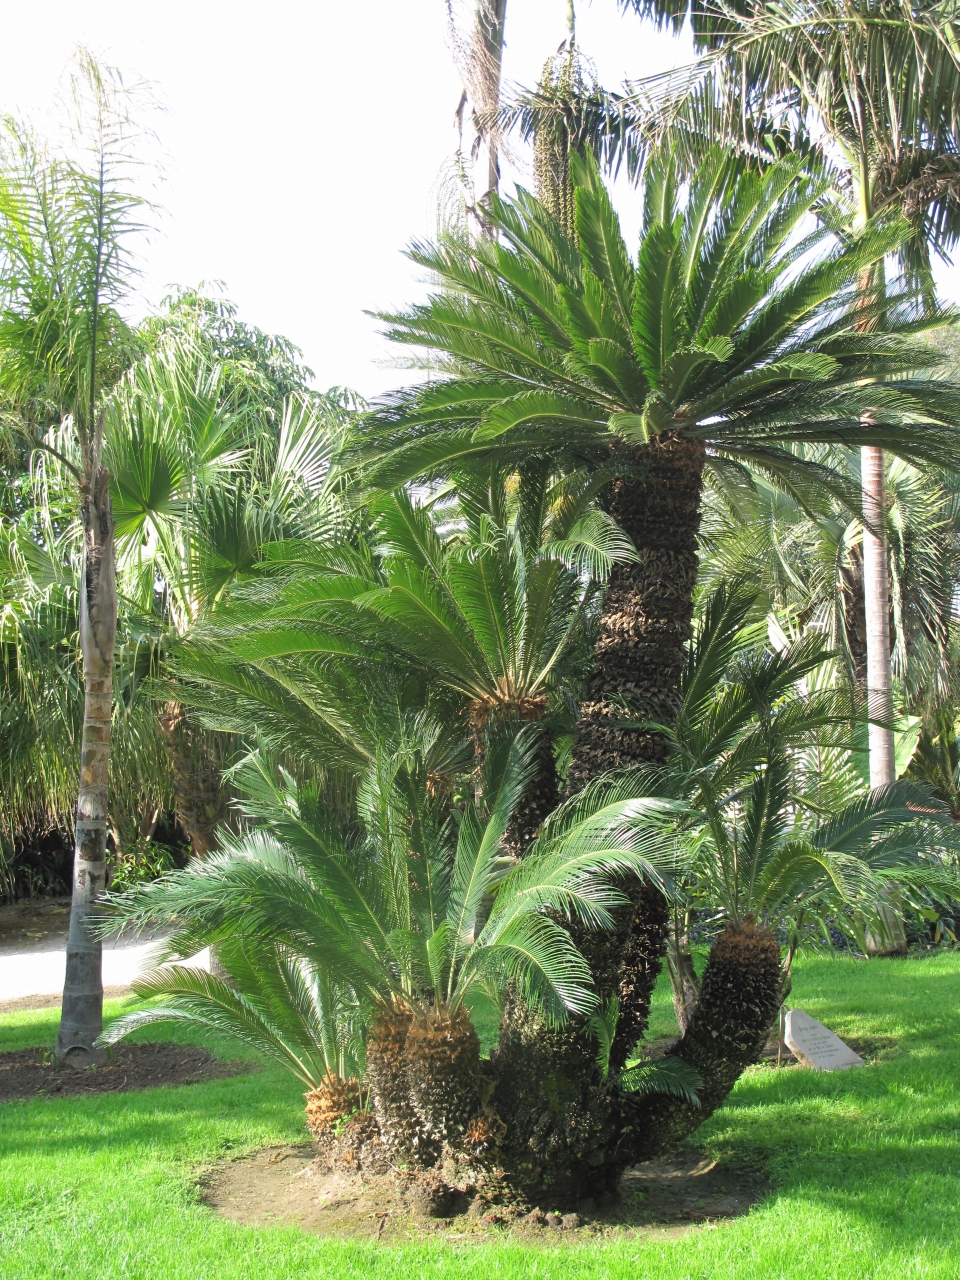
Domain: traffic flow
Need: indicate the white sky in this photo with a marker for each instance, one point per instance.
(303, 140)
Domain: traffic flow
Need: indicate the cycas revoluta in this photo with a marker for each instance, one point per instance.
(389, 914)
(731, 339)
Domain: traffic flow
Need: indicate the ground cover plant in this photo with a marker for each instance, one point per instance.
(864, 1163)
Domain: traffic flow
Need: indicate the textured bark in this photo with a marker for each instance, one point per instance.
(645, 625)
(683, 980)
(740, 997)
(442, 1055)
(197, 789)
(401, 1129)
(645, 622)
(81, 1019)
(559, 1122)
(561, 1116)
(330, 1102)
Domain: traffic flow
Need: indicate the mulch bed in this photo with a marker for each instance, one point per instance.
(33, 1073)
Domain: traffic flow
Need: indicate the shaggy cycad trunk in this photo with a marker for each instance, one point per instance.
(401, 1129)
(559, 1126)
(442, 1056)
(423, 1074)
(561, 1116)
(330, 1102)
(81, 1020)
(645, 625)
(740, 997)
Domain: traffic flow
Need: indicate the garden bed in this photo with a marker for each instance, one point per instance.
(31, 1073)
(291, 1185)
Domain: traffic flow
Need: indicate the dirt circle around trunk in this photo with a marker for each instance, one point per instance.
(36, 1073)
(291, 1186)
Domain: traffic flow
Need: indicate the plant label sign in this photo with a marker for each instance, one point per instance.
(816, 1045)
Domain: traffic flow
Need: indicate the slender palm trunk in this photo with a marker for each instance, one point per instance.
(876, 592)
(488, 55)
(82, 1011)
(683, 977)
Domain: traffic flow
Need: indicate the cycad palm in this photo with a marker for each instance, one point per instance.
(728, 341)
(875, 90)
(731, 339)
(493, 611)
(390, 914)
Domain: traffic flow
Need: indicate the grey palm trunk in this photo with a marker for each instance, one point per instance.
(82, 1010)
(876, 593)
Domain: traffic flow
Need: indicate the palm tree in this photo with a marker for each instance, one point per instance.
(63, 343)
(877, 89)
(480, 59)
(783, 830)
(494, 611)
(725, 345)
(390, 914)
(203, 480)
(808, 562)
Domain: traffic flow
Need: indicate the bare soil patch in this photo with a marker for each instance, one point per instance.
(24, 1004)
(290, 1185)
(32, 1073)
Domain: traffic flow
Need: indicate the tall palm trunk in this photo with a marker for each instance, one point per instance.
(488, 64)
(645, 625)
(876, 594)
(82, 1011)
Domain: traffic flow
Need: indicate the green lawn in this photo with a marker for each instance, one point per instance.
(866, 1166)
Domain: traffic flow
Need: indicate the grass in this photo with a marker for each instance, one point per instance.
(866, 1166)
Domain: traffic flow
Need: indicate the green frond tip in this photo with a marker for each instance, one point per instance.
(603, 1026)
(666, 1075)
